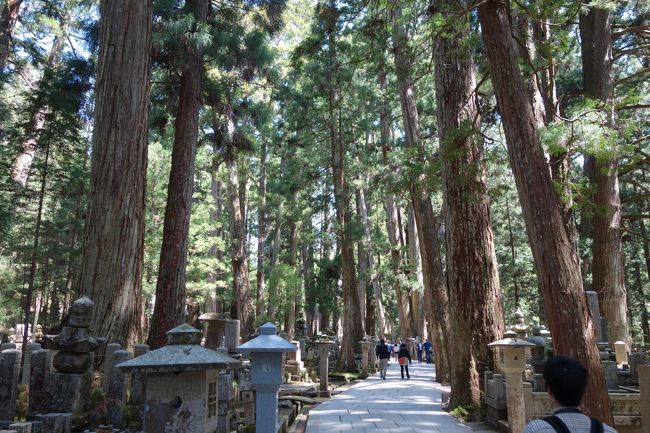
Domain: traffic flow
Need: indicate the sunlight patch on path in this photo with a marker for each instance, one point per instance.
(389, 406)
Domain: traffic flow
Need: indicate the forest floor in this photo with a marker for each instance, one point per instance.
(390, 406)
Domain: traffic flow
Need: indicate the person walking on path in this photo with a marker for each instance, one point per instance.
(418, 347)
(427, 349)
(383, 354)
(396, 349)
(404, 359)
(566, 380)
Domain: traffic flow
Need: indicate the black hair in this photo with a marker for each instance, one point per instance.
(403, 345)
(382, 341)
(567, 379)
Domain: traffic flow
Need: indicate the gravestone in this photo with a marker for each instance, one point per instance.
(9, 376)
(117, 379)
(67, 390)
(41, 365)
(109, 364)
(232, 336)
(30, 349)
(138, 390)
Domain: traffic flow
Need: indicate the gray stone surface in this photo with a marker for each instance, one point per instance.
(611, 378)
(232, 335)
(179, 405)
(109, 364)
(21, 427)
(31, 348)
(41, 365)
(67, 393)
(389, 406)
(138, 380)
(117, 379)
(57, 422)
(9, 376)
(184, 357)
(592, 300)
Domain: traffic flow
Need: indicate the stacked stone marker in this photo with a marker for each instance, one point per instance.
(9, 375)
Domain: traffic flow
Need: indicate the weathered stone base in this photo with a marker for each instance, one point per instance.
(66, 393)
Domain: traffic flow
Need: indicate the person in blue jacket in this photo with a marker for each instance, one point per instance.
(428, 350)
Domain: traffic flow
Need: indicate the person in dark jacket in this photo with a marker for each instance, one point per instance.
(403, 356)
(383, 354)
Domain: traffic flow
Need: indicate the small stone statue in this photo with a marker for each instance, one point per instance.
(74, 343)
(39, 337)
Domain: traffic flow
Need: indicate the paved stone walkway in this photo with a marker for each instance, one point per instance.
(389, 406)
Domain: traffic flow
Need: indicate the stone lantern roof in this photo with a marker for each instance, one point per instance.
(183, 353)
(267, 341)
(511, 342)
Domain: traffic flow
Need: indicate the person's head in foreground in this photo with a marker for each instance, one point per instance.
(566, 380)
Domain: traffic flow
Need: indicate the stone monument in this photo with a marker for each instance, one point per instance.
(266, 353)
(181, 381)
(324, 347)
(513, 352)
(67, 390)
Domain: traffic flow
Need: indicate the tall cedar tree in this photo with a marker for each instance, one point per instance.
(169, 310)
(8, 18)
(435, 290)
(556, 261)
(112, 258)
(472, 271)
(352, 322)
(608, 271)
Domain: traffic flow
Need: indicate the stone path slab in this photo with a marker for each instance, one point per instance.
(389, 406)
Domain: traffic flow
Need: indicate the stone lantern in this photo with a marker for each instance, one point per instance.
(365, 349)
(512, 352)
(215, 327)
(181, 383)
(266, 352)
(324, 347)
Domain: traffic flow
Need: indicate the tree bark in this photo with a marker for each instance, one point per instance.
(415, 299)
(239, 260)
(378, 306)
(608, 270)
(261, 235)
(435, 291)
(8, 18)
(111, 263)
(556, 262)
(472, 270)
(352, 322)
(169, 309)
(215, 275)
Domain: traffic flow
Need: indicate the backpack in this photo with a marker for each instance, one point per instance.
(560, 427)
